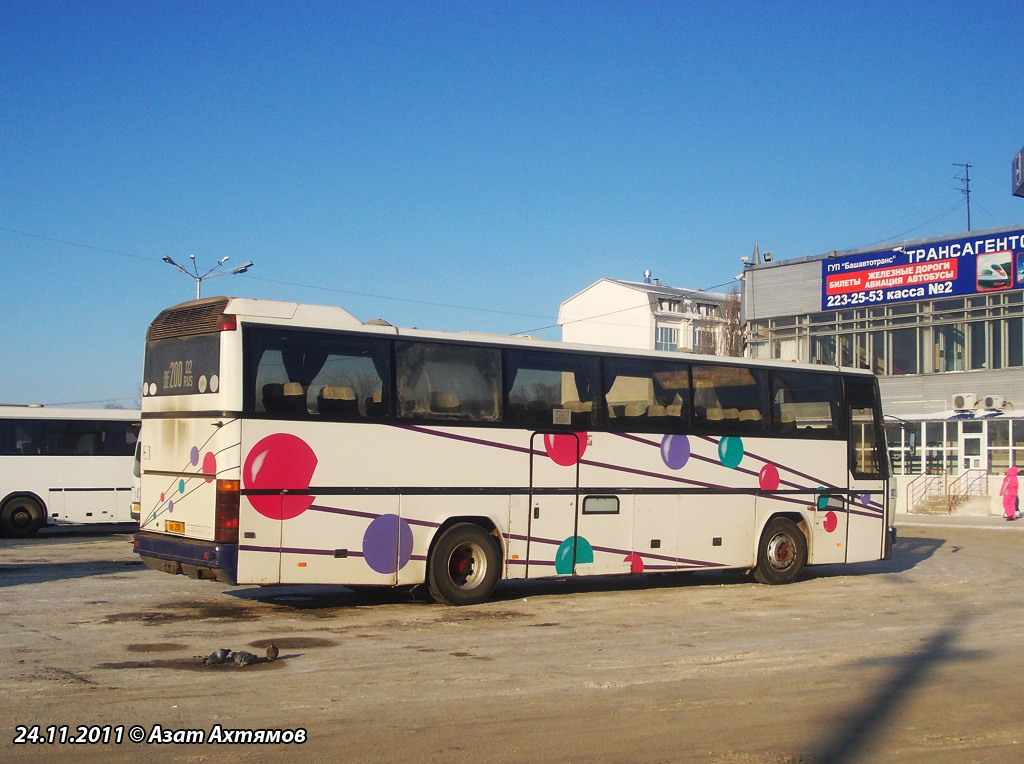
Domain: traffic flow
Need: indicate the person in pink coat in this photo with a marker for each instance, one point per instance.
(1009, 493)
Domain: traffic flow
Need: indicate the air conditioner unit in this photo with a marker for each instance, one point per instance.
(993, 402)
(965, 401)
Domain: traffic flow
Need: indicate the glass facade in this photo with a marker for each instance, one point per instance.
(953, 446)
(933, 336)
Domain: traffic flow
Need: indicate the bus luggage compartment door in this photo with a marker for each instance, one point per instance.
(562, 539)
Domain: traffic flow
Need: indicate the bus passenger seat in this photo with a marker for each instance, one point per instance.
(445, 403)
(294, 399)
(750, 415)
(581, 412)
(657, 410)
(635, 409)
(338, 402)
(375, 405)
(273, 396)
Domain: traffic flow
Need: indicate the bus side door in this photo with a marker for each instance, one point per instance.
(868, 469)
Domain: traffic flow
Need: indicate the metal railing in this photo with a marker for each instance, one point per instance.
(972, 483)
(930, 483)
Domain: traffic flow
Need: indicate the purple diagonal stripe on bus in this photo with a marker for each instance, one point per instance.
(371, 515)
(709, 460)
(465, 438)
(752, 473)
(615, 467)
(292, 550)
(613, 550)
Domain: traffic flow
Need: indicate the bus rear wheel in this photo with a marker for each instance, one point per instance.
(464, 566)
(21, 517)
(782, 553)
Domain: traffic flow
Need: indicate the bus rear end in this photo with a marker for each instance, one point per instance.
(189, 487)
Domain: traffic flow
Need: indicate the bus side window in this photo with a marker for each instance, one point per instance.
(806, 404)
(316, 374)
(549, 389)
(643, 395)
(20, 437)
(444, 381)
(729, 399)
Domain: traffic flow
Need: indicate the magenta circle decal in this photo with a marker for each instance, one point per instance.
(279, 462)
(387, 544)
(193, 456)
(675, 451)
(768, 477)
(210, 466)
(562, 447)
(831, 522)
(636, 562)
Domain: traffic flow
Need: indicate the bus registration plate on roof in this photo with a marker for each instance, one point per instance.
(174, 526)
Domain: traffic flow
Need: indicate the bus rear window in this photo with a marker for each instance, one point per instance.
(182, 365)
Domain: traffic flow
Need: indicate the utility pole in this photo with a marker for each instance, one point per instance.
(966, 180)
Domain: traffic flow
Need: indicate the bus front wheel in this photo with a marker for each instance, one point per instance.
(464, 566)
(21, 517)
(782, 553)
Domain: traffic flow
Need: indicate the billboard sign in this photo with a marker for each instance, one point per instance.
(946, 268)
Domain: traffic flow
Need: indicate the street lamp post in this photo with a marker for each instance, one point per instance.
(212, 273)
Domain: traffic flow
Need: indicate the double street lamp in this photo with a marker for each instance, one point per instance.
(212, 273)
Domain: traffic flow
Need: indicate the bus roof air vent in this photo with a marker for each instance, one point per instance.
(188, 318)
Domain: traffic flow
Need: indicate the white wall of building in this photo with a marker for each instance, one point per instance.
(607, 313)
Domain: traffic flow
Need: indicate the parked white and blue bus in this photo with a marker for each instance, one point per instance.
(294, 444)
(64, 466)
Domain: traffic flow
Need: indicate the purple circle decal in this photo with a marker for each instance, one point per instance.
(387, 544)
(675, 451)
(194, 456)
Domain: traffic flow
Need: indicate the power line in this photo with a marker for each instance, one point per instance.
(74, 243)
(281, 281)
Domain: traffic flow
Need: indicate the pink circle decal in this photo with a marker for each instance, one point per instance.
(636, 562)
(768, 478)
(831, 522)
(280, 462)
(562, 447)
(210, 465)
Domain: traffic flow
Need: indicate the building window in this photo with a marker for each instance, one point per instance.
(666, 338)
(669, 306)
(904, 351)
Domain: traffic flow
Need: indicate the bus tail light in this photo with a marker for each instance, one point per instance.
(227, 323)
(225, 524)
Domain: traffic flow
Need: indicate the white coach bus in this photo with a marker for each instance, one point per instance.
(294, 444)
(64, 466)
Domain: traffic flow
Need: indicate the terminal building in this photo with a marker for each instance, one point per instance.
(939, 320)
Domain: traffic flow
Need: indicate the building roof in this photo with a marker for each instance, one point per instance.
(657, 289)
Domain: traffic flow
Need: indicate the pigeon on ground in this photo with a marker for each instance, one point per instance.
(272, 652)
(242, 658)
(217, 656)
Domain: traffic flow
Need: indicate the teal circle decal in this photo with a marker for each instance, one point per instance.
(730, 452)
(563, 557)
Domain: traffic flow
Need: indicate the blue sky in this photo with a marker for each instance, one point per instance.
(466, 166)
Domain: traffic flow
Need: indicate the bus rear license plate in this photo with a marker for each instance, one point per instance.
(173, 526)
